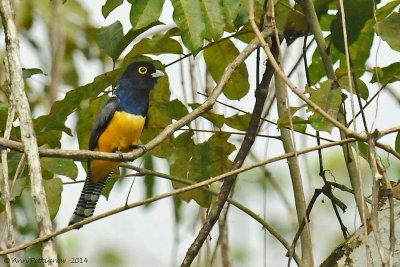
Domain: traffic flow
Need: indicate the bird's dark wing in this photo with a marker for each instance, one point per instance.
(104, 117)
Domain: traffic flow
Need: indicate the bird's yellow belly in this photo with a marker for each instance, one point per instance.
(122, 133)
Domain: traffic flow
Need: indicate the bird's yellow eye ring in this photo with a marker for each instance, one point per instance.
(142, 70)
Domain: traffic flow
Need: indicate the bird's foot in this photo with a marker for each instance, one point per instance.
(140, 146)
(116, 150)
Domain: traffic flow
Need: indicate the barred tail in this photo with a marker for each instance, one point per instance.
(88, 199)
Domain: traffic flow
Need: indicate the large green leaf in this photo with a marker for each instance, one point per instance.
(145, 12)
(238, 122)
(210, 159)
(158, 44)
(358, 12)
(327, 99)
(189, 19)
(158, 118)
(61, 109)
(388, 29)
(217, 58)
(59, 166)
(109, 6)
(109, 38)
(53, 189)
(182, 152)
(214, 18)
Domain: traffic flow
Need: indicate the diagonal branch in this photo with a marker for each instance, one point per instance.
(261, 94)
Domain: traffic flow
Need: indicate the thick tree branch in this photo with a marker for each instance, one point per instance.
(261, 94)
(20, 100)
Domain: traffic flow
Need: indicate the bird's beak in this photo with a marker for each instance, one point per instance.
(157, 74)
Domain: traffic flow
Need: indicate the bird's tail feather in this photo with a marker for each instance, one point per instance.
(87, 201)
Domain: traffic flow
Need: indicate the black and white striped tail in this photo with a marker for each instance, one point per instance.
(87, 201)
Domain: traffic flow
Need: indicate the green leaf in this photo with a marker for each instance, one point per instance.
(388, 30)
(61, 109)
(388, 74)
(149, 180)
(158, 44)
(299, 124)
(191, 22)
(109, 6)
(214, 18)
(397, 142)
(53, 189)
(182, 152)
(27, 73)
(327, 99)
(291, 22)
(238, 122)
(210, 159)
(358, 12)
(130, 36)
(217, 58)
(217, 119)
(109, 38)
(362, 87)
(158, 118)
(145, 12)
(60, 166)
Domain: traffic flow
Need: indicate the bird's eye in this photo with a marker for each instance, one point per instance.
(142, 70)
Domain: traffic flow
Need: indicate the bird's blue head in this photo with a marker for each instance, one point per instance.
(135, 85)
(140, 76)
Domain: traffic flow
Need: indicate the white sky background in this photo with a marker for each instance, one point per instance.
(145, 236)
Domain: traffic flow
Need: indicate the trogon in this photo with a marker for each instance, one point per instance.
(117, 129)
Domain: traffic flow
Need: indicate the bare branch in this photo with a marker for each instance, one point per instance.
(19, 97)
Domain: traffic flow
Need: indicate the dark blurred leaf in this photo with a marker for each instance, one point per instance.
(191, 22)
(397, 143)
(217, 58)
(388, 30)
(27, 73)
(363, 149)
(53, 189)
(291, 22)
(149, 180)
(109, 6)
(327, 99)
(145, 12)
(214, 18)
(358, 12)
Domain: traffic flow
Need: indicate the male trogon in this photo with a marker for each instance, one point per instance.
(117, 129)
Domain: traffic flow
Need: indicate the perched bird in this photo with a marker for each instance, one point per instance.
(117, 129)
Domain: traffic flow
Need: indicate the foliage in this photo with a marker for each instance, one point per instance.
(212, 31)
